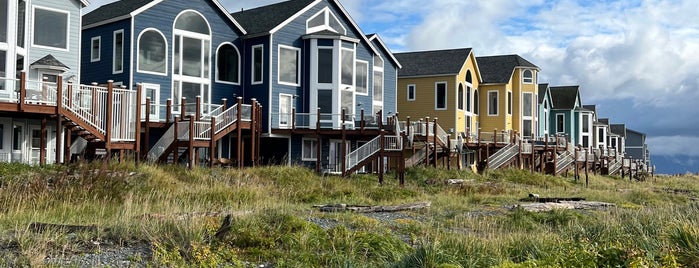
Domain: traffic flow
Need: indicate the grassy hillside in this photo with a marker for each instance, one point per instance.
(175, 213)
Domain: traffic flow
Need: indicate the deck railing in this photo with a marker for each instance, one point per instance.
(161, 145)
(202, 130)
(226, 118)
(294, 120)
(503, 155)
(9, 87)
(391, 143)
(123, 115)
(84, 102)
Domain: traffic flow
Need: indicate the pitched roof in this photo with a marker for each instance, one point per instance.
(619, 129)
(636, 132)
(376, 38)
(542, 91)
(49, 62)
(263, 19)
(591, 107)
(499, 69)
(564, 97)
(604, 121)
(123, 9)
(435, 62)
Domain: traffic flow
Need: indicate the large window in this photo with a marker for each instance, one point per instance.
(95, 48)
(50, 28)
(325, 65)
(228, 64)
(3, 58)
(118, 52)
(585, 123)
(493, 102)
(289, 58)
(285, 110)
(309, 150)
(527, 77)
(527, 128)
(509, 102)
(527, 104)
(3, 21)
(600, 135)
(362, 78)
(151, 52)
(560, 123)
(257, 59)
(460, 97)
(440, 96)
(21, 15)
(378, 84)
(468, 98)
(347, 67)
(411, 92)
(192, 60)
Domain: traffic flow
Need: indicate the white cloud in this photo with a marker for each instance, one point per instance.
(674, 145)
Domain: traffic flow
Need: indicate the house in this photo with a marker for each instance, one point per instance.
(39, 46)
(617, 138)
(326, 86)
(569, 117)
(636, 147)
(602, 131)
(544, 107)
(507, 94)
(188, 59)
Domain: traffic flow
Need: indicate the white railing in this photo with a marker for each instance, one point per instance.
(202, 130)
(363, 152)
(8, 90)
(226, 118)
(5, 157)
(499, 137)
(210, 110)
(159, 147)
(41, 92)
(501, 157)
(527, 147)
(393, 143)
(564, 160)
(123, 115)
(86, 103)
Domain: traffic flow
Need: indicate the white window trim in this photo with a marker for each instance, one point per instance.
(524, 81)
(326, 22)
(298, 65)
(279, 110)
(356, 61)
(99, 48)
(531, 111)
(114, 59)
(30, 28)
(461, 96)
(446, 94)
(240, 59)
(408, 92)
(354, 66)
(138, 56)
(383, 84)
(469, 98)
(252, 65)
(564, 123)
(303, 158)
(155, 114)
(497, 95)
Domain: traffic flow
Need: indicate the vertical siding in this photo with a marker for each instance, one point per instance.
(69, 57)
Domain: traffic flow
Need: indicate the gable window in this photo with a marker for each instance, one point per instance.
(325, 65)
(509, 102)
(228, 64)
(257, 59)
(324, 20)
(378, 85)
(476, 102)
(362, 78)
(460, 97)
(151, 52)
(289, 58)
(347, 67)
(440, 101)
(309, 150)
(50, 28)
(493, 102)
(560, 123)
(411, 92)
(95, 48)
(191, 60)
(118, 53)
(527, 77)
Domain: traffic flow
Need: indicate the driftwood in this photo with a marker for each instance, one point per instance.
(191, 215)
(549, 206)
(40, 227)
(370, 209)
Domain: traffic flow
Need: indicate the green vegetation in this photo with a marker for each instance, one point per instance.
(177, 212)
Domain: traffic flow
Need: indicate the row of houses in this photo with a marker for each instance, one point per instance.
(297, 82)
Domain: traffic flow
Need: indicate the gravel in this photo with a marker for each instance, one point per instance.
(113, 256)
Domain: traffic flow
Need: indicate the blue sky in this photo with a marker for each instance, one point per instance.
(638, 61)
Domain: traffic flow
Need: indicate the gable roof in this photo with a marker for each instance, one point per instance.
(262, 20)
(123, 9)
(375, 37)
(604, 121)
(543, 88)
(619, 129)
(49, 62)
(590, 107)
(499, 69)
(636, 132)
(435, 62)
(565, 97)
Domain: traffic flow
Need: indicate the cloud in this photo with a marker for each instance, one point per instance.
(674, 145)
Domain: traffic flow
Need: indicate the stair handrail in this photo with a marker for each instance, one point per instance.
(183, 130)
(503, 155)
(202, 130)
(565, 159)
(226, 118)
(162, 144)
(363, 152)
(78, 101)
(123, 115)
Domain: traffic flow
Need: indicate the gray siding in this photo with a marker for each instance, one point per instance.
(69, 57)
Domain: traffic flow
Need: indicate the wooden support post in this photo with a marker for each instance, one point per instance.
(318, 156)
(381, 155)
(434, 138)
(110, 111)
(176, 140)
(168, 111)
(42, 145)
(22, 89)
(59, 119)
(240, 132)
(147, 126)
(197, 106)
(190, 143)
(183, 108)
(343, 164)
(362, 122)
(253, 131)
(575, 166)
(427, 141)
(586, 175)
(66, 151)
(380, 119)
(137, 136)
(448, 154)
(212, 144)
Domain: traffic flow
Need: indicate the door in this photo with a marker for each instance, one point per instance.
(34, 144)
(152, 91)
(285, 110)
(335, 155)
(18, 142)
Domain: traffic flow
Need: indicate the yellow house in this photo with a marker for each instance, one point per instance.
(508, 94)
(442, 84)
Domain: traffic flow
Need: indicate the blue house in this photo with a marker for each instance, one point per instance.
(315, 72)
(544, 106)
(568, 117)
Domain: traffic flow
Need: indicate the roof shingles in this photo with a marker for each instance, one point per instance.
(263, 19)
(499, 69)
(438, 62)
(564, 97)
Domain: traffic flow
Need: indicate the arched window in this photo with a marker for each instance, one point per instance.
(191, 60)
(527, 77)
(151, 52)
(192, 22)
(469, 78)
(228, 64)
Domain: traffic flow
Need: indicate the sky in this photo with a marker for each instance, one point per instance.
(637, 60)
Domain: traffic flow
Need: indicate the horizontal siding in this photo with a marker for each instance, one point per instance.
(69, 57)
(101, 71)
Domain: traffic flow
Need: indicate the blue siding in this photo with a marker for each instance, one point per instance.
(258, 91)
(101, 71)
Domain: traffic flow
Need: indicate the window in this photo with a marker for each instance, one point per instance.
(2, 136)
(257, 60)
(191, 60)
(325, 65)
(600, 135)
(325, 103)
(151, 52)
(586, 141)
(228, 64)
(560, 123)
(324, 20)
(527, 77)
(17, 138)
(476, 102)
(509, 102)
(527, 104)
(21, 15)
(285, 110)
(460, 97)
(378, 84)
(118, 58)
(440, 96)
(347, 67)
(362, 78)
(527, 128)
(309, 150)
(585, 123)
(289, 58)
(3, 58)
(493, 102)
(95, 47)
(411, 92)
(613, 143)
(468, 98)
(3, 21)
(50, 28)
(153, 92)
